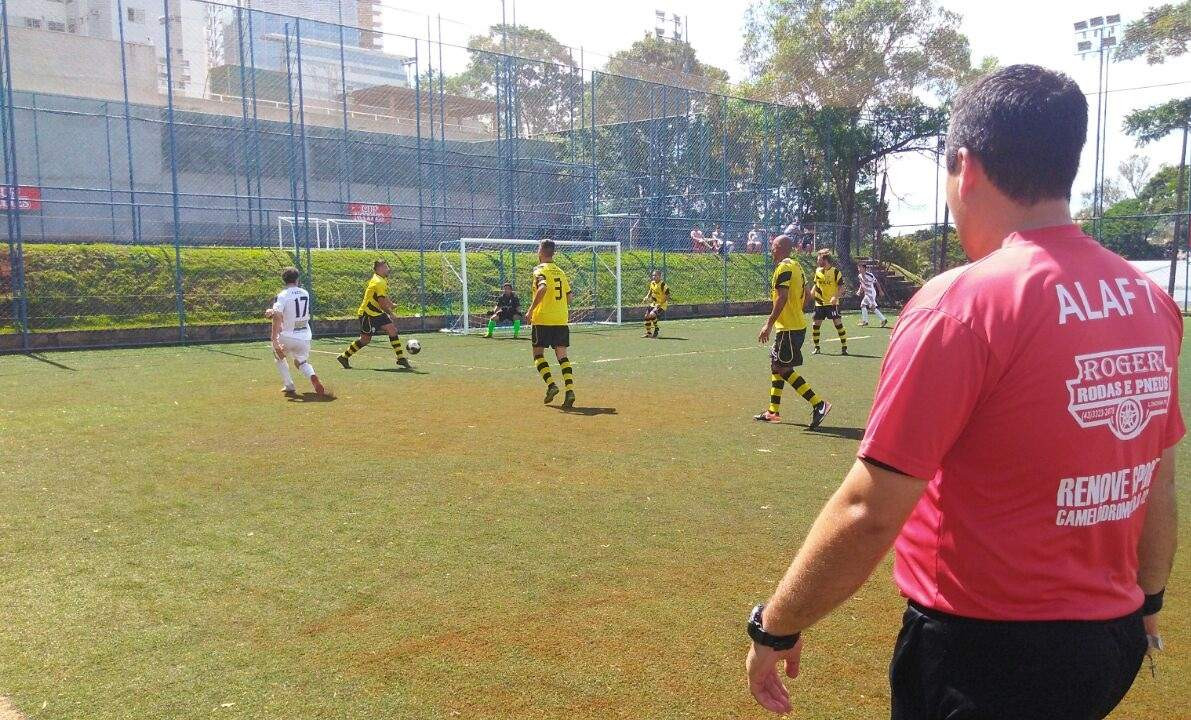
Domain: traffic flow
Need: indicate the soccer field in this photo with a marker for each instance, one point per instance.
(180, 541)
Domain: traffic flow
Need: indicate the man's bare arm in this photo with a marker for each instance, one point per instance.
(1159, 535)
(847, 541)
(538, 294)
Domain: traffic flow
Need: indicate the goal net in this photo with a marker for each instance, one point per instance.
(475, 269)
(325, 233)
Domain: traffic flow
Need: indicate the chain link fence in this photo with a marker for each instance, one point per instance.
(164, 159)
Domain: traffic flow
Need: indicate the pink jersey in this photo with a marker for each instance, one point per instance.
(1036, 390)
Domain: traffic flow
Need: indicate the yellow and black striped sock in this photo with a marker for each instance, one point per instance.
(352, 349)
(775, 393)
(568, 374)
(544, 370)
(648, 326)
(843, 334)
(395, 341)
(815, 335)
(802, 387)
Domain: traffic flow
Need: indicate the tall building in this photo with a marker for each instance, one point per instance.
(371, 23)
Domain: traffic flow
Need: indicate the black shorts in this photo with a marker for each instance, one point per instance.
(826, 312)
(551, 336)
(373, 324)
(505, 315)
(657, 311)
(787, 348)
(946, 666)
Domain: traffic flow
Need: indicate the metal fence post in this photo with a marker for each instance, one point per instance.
(133, 214)
(305, 165)
(12, 206)
(169, 80)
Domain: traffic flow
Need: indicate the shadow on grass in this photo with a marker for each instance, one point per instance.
(845, 433)
(588, 411)
(312, 397)
(208, 348)
(859, 355)
(401, 371)
(47, 361)
(670, 337)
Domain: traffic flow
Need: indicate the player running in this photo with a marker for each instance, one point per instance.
(868, 290)
(789, 294)
(376, 315)
(508, 309)
(290, 335)
(829, 282)
(549, 314)
(658, 298)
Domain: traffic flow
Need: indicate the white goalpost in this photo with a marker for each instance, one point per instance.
(327, 233)
(474, 269)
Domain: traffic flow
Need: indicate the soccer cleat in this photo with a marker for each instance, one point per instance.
(816, 351)
(289, 392)
(863, 324)
(818, 413)
(568, 400)
(551, 392)
(403, 363)
(769, 417)
(884, 323)
(318, 386)
(647, 335)
(343, 361)
(843, 351)
(656, 331)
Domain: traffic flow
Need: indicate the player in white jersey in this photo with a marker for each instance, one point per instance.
(291, 332)
(868, 289)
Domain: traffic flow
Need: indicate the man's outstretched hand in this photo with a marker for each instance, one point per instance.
(764, 681)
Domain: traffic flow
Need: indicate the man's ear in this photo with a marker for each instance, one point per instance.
(970, 172)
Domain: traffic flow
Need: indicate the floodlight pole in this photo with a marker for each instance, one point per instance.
(1103, 29)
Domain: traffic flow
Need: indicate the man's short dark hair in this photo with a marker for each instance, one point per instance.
(378, 262)
(1027, 125)
(290, 275)
(548, 246)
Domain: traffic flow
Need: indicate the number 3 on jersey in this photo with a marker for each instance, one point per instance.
(558, 288)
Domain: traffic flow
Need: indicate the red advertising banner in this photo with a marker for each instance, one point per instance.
(378, 214)
(28, 198)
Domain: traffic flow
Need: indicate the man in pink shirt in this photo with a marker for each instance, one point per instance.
(1019, 455)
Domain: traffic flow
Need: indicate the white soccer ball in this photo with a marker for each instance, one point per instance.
(413, 347)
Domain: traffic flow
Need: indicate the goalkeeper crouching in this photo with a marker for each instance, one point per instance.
(508, 309)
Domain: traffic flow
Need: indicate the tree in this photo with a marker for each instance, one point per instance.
(547, 89)
(1153, 124)
(1163, 32)
(865, 67)
(667, 61)
(1135, 172)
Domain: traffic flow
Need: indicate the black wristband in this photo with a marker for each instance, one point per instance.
(1153, 603)
(759, 636)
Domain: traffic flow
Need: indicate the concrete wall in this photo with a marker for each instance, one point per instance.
(79, 66)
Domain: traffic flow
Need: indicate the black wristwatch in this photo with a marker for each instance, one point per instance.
(759, 636)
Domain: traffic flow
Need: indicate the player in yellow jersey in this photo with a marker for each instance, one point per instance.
(658, 298)
(788, 291)
(829, 286)
(549, 314)
(376, 315)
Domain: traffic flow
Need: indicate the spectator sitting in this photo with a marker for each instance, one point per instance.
(700, 243)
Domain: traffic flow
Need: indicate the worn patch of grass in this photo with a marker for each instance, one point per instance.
(179, 541)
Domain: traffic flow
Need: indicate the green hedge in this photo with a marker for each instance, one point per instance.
(112, 286)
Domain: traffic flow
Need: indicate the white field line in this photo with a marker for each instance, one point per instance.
(601, 361)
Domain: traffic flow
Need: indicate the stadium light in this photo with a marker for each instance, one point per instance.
(1098, 35)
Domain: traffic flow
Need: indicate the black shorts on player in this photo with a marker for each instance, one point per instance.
(551, 336)
(826, 312)
(374, 324)
(657, 312)
(504, 315)
(787, 348)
